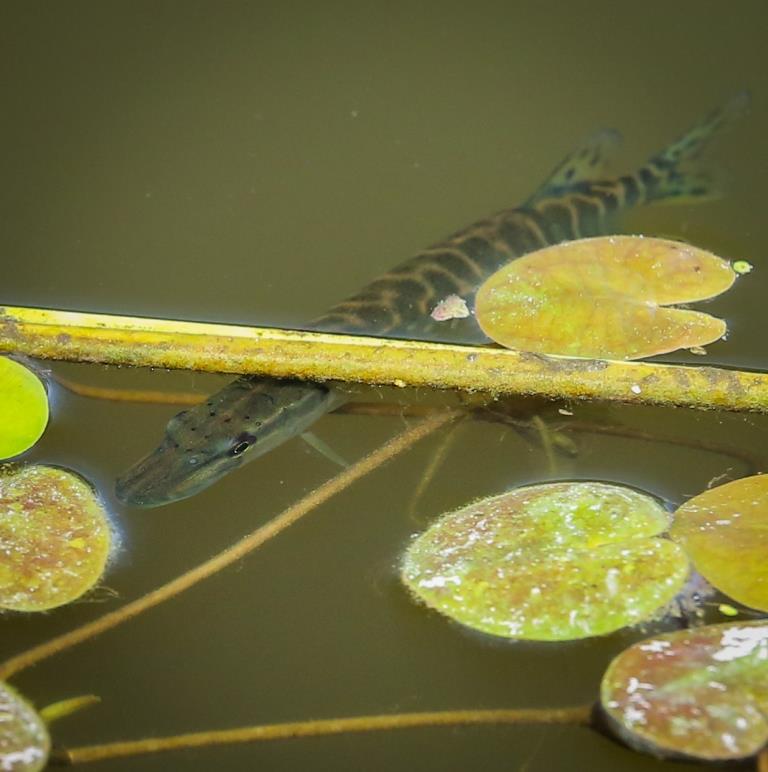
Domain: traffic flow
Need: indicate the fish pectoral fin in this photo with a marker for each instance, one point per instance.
(587, 162)
(324, 449)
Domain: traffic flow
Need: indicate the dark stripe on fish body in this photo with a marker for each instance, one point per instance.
(519, 237)
(609, 198)
(442, 282)
(412, 287)
(458, 264)
(480, 251)
(374, 310)
(591, 213)
(335, 322)
(649, 175)
(540, 223)
(562, 226)
(402, 304)
(633, 192)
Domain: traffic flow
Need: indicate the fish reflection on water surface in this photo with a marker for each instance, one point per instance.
(253, 415)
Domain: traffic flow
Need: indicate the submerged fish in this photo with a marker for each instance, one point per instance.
(253, 414)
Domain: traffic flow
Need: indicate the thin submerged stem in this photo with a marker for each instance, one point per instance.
(231, 554)
(434, 463)
(575, 716)
(192, 398)
(545, 438)
(142, 396)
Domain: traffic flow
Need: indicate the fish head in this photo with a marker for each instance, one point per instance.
(201, 445)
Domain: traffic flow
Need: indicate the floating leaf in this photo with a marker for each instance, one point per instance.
(24, 741)
(549, 562)
(55, 538)
(725, 533)
(701, 693)
(23, 408)
(602, 297)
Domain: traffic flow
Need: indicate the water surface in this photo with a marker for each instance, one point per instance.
(250, 162)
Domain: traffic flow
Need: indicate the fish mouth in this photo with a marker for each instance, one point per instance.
(159, 479)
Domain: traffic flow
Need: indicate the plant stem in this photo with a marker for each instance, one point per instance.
(191, 398)
(577, 716)
(247, 544)
(144, 396)
(436, 460)
(320, 356)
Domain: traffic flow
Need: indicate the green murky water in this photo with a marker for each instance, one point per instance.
(252, 162)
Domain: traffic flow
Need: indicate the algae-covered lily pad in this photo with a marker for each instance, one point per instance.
(24, 741)
(604, 297)
(23, 408)
(54, 536)
(557, 561)
(725, 533)
(701, 693)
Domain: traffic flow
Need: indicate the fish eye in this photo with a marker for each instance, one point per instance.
(241, 447)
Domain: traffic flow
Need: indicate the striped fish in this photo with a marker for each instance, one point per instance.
(252, 415)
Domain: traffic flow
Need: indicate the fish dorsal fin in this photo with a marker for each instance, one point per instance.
(585, 163)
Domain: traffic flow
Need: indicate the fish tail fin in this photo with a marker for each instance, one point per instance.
(672, 176)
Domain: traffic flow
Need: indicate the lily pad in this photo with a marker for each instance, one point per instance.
(24, 740)
(557, 561)
(23, 408)
(725, 533)
(700, 693)
(604, 297)
(55, 538)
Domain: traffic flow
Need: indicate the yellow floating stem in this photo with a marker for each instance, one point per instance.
(143, 342)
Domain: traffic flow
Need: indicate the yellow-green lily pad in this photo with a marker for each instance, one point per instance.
(55, 538)
(604, 297)
(552, 562)
(24, 740)
(23, 408)
(725, 533)
(700, 693)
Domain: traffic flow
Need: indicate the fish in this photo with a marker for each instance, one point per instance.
(253, 415)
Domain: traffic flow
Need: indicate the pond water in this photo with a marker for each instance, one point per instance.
(256, 162)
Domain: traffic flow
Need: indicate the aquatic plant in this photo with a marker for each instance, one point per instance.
(607, 553)
(23, 408)
(561, 561)
(55, 536)
(604, 297)
(550, 562)
(701, 693)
